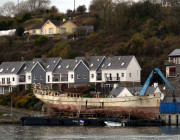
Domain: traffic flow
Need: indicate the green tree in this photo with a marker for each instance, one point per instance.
(19, 31)
(61, 49)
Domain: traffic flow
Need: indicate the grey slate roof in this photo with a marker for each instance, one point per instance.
(65, 65)
(176, 52)
(116, 91)
(27, 67)
(10, 67)
(117, 62)
(49, 63)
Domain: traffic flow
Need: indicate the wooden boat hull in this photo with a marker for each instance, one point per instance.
(139, 107)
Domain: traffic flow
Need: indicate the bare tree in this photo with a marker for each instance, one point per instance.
(103, 8)
(9, 9)
(37, 4)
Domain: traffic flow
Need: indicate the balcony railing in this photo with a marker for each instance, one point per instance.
(64, 78)
(170, 63)
(5, 83)
(112, 78)
(173, 74)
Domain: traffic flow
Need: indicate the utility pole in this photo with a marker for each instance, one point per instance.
(18, 6)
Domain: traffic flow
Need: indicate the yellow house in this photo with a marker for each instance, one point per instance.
(53, 27)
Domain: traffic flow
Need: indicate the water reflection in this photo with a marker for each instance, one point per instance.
(11, 132)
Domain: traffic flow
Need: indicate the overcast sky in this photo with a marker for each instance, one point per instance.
(62, 5)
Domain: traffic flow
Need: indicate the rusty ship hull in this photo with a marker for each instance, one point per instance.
(139, 107)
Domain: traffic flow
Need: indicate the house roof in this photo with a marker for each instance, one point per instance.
(133, 90)
(93, 62)
(10, 67)
(28, 65)
(117, 62)
(176, 52)
(37, 26)
(65, 65)
(49, 63)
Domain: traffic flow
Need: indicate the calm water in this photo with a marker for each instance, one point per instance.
(16, 132)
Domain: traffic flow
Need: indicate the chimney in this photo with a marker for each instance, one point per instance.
(155, 85)
(87, 57)
(43, 59)
(116, 85)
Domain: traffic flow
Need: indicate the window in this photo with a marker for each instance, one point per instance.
(59, 66)
(109, 64)
(3, 80)
(48, 66)
(29, 77)
(51, 30)
(63, 30)
(122, 74)
(35, 77)
(41, 31)
(13, 70)
(67, 66)
(13, 79)
(48, 78)
(92, 75)
(1, 70)
(122, 64)
(25, 68)
(71, 76)
(84, 76)
(41, 77)
(78, 76)
(8, 80)
(33, 31)
(92, 64)
(129, 74)
(73, 30)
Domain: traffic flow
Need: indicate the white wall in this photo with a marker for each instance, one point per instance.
(71, 80)
(11, 76)
(28, 80)
(135, 71)
(124, 93)
(50, 77)
(92, 79)
(114, 74)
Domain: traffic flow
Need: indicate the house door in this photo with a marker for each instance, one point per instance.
(172, 71)
(64, 87)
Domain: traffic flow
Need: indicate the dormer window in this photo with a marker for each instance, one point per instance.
(48, 66)
(122, 64)
(109, 64)
(59, 66)
(13, 70)
(92, 64)
(1, 70)
(67, 66)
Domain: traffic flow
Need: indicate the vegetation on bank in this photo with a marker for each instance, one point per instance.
(24, 99)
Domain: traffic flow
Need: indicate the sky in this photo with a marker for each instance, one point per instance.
(62, 5)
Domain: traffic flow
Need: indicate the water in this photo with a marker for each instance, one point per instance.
(17, 132)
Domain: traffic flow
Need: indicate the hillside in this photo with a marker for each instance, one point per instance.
(148, 31)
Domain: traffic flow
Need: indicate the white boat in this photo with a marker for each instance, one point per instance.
(111, 123)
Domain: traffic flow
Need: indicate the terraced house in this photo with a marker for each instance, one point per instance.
(61, 74)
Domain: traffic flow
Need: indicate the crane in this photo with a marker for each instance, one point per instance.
(149, 79)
